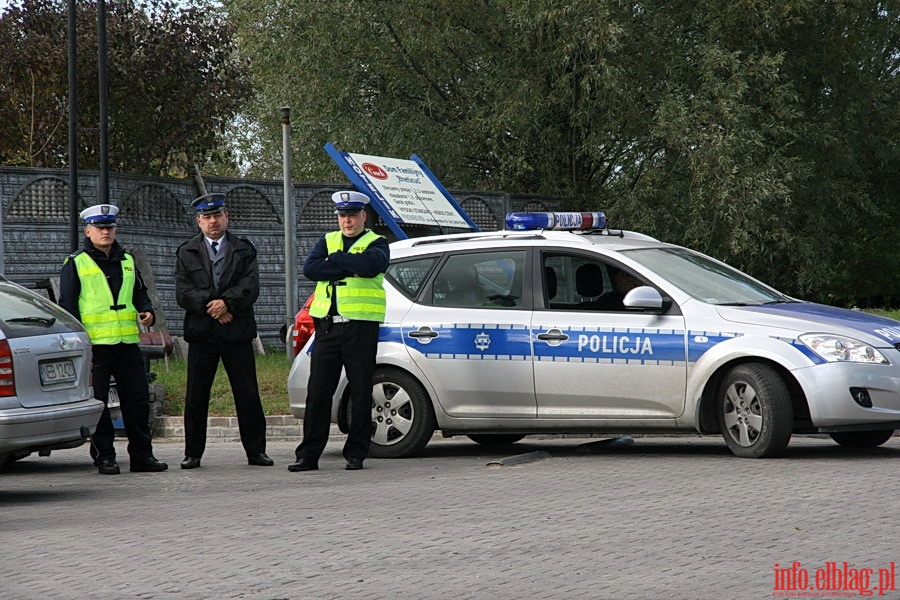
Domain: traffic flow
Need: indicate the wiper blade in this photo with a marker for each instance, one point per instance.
(38, 320)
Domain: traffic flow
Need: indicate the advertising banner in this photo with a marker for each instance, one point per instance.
(402, 191)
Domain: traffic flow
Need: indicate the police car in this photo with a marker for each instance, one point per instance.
(542, 328)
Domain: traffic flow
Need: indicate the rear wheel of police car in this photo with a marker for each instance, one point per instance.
(862, 439)
(755, 412)
(402, 416)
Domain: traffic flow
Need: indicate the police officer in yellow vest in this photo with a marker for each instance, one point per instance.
(348, 306)
(101, 287)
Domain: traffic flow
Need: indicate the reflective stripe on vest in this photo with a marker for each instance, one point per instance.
(103, 324)
(357, 297)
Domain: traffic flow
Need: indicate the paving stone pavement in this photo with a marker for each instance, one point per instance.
(663, 518)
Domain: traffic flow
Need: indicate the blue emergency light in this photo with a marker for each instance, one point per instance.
(524, 221)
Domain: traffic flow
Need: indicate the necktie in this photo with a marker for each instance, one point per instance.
(215, 247)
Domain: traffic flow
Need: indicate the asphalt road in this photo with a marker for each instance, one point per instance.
(662, 518)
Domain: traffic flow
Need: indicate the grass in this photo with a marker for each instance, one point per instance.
(271, 370)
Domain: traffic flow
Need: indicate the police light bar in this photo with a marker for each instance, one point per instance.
(524, 221)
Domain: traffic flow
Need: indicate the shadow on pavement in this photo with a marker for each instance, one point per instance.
(801, 447)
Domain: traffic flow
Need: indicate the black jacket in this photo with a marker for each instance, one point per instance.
(238, 287)
(70, 283)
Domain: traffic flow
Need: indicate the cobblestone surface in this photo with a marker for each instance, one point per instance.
(673, 518)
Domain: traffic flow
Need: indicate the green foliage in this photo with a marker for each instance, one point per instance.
(272, 370)
(764, 133)
(174, 82)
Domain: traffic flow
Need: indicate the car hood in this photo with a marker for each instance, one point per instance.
(810, 317)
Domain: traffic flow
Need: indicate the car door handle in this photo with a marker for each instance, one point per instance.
(554, 335)
(423, 332)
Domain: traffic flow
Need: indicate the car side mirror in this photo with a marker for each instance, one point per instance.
(643, 297)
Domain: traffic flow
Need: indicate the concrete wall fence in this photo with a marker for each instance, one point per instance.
(156, 217)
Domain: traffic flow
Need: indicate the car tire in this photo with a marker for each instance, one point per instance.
(495, 439)
(755, 413)
(402, 416)
(862, 439)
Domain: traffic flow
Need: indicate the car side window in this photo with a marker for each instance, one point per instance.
(480, 280)
(573, 282)
(410, 276)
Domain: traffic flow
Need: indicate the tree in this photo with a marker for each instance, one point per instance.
(175, 81)
(730, 127)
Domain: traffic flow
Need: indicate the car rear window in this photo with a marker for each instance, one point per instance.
(24, 313)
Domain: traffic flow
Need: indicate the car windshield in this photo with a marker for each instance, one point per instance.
(706, 279)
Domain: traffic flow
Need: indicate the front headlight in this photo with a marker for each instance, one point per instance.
(837, 348)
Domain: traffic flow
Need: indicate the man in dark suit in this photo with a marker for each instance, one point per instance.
(217, 283)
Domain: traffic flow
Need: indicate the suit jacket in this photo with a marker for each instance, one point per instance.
(238, 287)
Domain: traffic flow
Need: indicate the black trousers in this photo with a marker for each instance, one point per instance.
(352, 346)
(125, 362)
(240, 366)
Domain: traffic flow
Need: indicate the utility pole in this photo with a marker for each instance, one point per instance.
(290, 220)
(73, 126)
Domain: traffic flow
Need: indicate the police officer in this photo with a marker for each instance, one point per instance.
(102, 288)
(217, 283)
(349, 303)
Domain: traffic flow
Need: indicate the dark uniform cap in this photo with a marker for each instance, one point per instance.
(100, 215)
(209, 203)
(349, 202)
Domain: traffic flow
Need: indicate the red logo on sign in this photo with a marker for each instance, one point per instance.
(375, 171)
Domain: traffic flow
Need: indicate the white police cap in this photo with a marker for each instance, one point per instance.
(100, 215)
(349, 202)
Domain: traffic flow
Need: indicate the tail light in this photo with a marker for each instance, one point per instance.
(303, 327)
(7, 373)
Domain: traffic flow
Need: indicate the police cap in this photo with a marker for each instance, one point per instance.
(209, 203)
(100, 215)
(349, 202)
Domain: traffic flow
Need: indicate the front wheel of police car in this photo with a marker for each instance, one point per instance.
(755, 411)
(403, 419)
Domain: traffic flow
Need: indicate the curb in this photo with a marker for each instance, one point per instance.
(225, 429)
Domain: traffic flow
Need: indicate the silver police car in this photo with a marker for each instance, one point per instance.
(529, 330)
(46, 398)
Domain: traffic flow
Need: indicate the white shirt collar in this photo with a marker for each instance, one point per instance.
(221, 241)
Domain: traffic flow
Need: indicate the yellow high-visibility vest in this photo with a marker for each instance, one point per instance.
(103, 323)
(360, 298)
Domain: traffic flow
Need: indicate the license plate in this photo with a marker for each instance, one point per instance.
(112, 401)
(57, 371)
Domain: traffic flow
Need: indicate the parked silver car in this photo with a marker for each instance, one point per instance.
(46, 398)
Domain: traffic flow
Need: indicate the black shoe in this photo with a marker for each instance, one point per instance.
(148, 465)
(190, 462)
(260, 460)
(108, 467)
(354, 464)
(304, 464)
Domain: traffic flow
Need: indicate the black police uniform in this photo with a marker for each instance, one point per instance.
(123, 361)
(209, 341)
